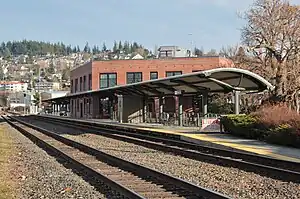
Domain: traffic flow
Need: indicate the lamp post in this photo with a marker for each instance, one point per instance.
(39, 93)
(191, 43)
(25, 103)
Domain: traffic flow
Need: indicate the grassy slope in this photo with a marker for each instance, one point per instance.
(6, 185)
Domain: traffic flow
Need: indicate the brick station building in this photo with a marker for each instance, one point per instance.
(102, 74)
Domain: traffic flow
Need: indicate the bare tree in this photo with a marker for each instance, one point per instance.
(237, 54)
(272, 35)
(212, 52)
(229, 51)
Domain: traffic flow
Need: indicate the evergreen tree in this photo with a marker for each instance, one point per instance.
(115, 47)
(78, 49)
(9, 46)
(134, 47)
(95, 50)
(69, 50)
(126, 47)
(37, 48)
(104, 48)
(131, 48)
(3, 45)
(120, 47)
(62, 49)
(6, 53)
(74, 50)
(87, 48)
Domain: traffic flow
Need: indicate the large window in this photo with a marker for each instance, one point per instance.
(153, 75)
(133, 77)
(173, 73)
(108, 80)
(84, 83)
(80, 84)
(90, 82)
(72, 86)
(76, 85)
(77, 104)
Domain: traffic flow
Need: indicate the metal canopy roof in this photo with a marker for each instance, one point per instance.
(214, 80)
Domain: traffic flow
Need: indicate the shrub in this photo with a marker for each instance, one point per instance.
(275, 124)
(242, 125)
(277, 115)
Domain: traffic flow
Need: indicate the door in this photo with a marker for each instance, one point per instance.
(81, 110)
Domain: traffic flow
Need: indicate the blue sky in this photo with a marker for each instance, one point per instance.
(205, 23)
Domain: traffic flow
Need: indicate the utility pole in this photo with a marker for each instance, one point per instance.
(25, 103)
(40, 99)
(191, 44)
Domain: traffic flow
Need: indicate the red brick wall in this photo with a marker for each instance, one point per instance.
(186, 65)
(81, 71)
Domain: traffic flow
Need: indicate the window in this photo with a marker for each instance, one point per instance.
(77, 104)
(108, 80)
(80, 84)
(76, 85)
(153, 75)
(90, 82)
(89, 105)
(72, 89)
(133, 77)
(84, 83)
(173, 73)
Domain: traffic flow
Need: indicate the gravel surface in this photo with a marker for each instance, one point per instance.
(230, 181)
(41, 176)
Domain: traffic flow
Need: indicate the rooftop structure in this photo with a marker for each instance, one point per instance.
(173, 51)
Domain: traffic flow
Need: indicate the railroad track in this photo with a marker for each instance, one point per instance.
(278, 169)
(129, 179)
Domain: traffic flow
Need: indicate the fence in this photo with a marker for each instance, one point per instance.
(188, 119)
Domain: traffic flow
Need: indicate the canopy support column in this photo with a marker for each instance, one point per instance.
(204, 104)
(180, 111)
(120, 108)
(237, 102)
(145, 100)
(161, 109)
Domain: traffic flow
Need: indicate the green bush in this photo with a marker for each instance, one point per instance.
(284, 135)
(253, 127)
(243, 125)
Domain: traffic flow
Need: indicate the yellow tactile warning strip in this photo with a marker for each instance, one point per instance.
(254, 149)
(159, 130)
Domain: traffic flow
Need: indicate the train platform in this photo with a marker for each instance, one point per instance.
(193, 135)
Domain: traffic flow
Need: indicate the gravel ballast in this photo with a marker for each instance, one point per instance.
(230, 181)
(41, 176)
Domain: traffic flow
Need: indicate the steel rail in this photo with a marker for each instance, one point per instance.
(195, 190)
(77, 165)
(249, 162)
